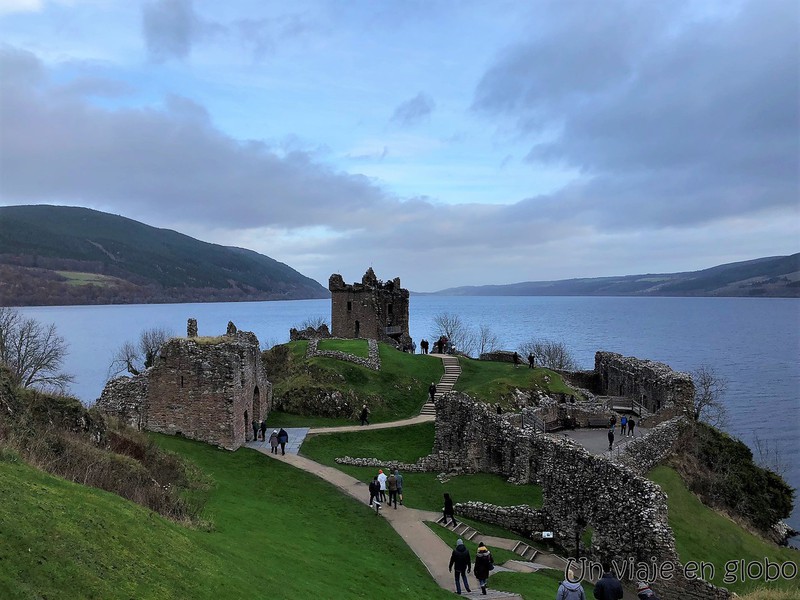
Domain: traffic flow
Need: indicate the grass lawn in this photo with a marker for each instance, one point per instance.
(80, 278)
(704, 535)
(397, 391)
(274, 528)
(493, 381)
(420, 490)
(354, 347)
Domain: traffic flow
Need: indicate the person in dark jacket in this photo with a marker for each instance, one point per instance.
(255, 430)
(263, 426)
(283, 438)
(610, 438)
(463, 564)
(432, 390)
(448, 510)
(364, 415)
(391, 486)
(484, 562)
(375, 493)
(608, 586)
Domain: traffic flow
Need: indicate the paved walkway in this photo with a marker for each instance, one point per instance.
(409, 523)
(596, 440)
(296, 437)
(342, 428)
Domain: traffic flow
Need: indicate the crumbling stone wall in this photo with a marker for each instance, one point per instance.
(309, 333)
(654, 384)
(373, 360)
(627, 513)
(646, 452)
(371, 309)
(208, 389)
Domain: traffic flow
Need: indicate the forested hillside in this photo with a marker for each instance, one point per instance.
(61, 255)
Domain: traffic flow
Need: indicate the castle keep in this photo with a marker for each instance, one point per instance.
(204, 388)
(371, 309)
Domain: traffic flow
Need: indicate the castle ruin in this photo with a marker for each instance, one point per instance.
(371, 309)
(204, 388)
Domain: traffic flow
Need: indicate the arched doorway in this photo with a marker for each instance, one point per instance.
(358, 329)
(258, 411)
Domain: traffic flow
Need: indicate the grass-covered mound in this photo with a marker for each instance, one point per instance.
(721, 471)
(420, 490)
(703, 535)
(276, 531)
(493, 382)
(397, 391)
(59, 435)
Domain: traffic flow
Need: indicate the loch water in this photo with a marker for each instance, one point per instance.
(754, 343)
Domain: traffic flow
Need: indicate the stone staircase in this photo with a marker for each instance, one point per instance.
(463, 530)
(452, 370)
(525, 551)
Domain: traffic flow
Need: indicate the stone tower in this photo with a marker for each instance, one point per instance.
(371, 309)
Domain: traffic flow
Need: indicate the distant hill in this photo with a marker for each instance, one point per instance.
(59, 255)
(773, 277)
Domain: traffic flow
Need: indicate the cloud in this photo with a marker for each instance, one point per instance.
(414, 111)
(674, 118)
(171, 27)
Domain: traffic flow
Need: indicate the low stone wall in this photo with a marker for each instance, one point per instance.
(526, 520)
(502, 356)
(643, 453)
(372, 362)
(309, 333)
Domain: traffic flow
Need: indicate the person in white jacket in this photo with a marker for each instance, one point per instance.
(382, 482)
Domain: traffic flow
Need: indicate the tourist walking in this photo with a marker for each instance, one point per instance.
(283, 439)
(462, 563)
(263, 427)
(448, 510)
(570, 589)
(531, 360)
(364, 415)
(608, 586)
(399, 478)
(610, 438)
(432, 390)
(424, 346)
(612, 421)
(255, 430)
(374, 493)
(391, 485)
(484, 562)
(623, 425)
(273, 442)
(516, 360)
(631, 427)
(382, 482)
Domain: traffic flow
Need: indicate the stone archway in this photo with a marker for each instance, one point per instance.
(358, 329)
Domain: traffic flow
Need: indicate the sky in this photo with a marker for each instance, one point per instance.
(445, 142)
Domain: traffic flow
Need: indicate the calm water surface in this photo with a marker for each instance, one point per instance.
(753, 343)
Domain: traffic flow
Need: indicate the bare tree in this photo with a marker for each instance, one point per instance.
(456, 331)
(550, 354)
(313, 323)
(709, 391)
(487, 340)
(770, 455)
(33, 352)
(135, 357)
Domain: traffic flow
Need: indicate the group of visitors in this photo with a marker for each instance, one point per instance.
(381, 484)
(626, 424)
(278, 438)
(608, 587)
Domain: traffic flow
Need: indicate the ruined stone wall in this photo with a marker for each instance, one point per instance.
(373, 360)
(371, 309)
(627, 513)
(654, 384)
(646, 452)
(208, 389)
(126, 399)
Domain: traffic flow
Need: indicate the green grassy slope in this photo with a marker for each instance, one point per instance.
(275, 529)
(493, 381)
(704, 535)
(397, 391)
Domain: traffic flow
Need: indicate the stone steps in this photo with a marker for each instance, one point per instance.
(525, 551)
(452, 371)
(463, 530)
